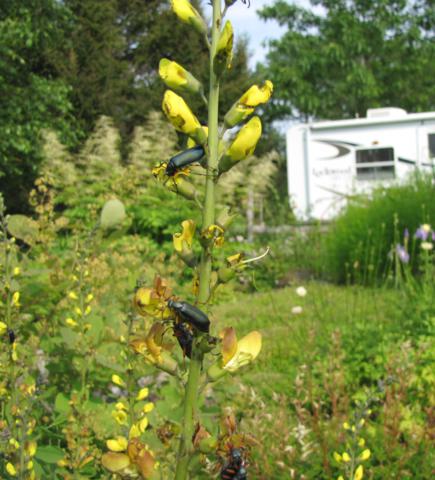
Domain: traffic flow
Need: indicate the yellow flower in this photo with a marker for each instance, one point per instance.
(11, 469)
(120, 417)
(346, 457)
(118, 444)
(88, 310)
(89, 298)
(346, 426)
(246, 104)
(183, 241)
(224, 49)
(215, 233)
(143, 424)
(134, 432)
(143, 393)
(148, 407)
(70, 322)
(115, 462)
(153, 301)
(181, 117)
(361, 442)
(337, 457)
(78, 311)
(243, 145)
(426, 227)
(365, 455)
(117, 380)
(177, 78)
(236, 354)
(120, 406)
(3, 328)
(16, 271)
(426, 246)
(73, 295)
(16, 299)
(359, 472)
(188, 14)
(14, 443)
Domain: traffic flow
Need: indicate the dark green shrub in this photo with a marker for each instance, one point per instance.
(358, 245)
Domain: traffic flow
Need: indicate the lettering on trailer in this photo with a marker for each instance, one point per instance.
(323, 172)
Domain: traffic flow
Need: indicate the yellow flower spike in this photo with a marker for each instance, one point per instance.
(177, 78)
(3, 328)
(345, 457)
(243, 145)
(11, 469)
(71, 322)
(361, 442)
(143, 424)
(359, 472)
(134, 432)
(118, 444)
(181, 117)
(143, 393)
(183, 241)
(148, 407)
(117, 380)
(115, 462)
(246, 104)
(248, 349)
(188, 14)
(224, 50)
(337, 457)
(73, 296)
(365, 455)
(16, 299)
(120, 417)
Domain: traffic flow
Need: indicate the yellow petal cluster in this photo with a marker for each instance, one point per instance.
(243, 145)
(177, 78)
(188, 14)
(359, 472)
(153, 301)
(246, 104)
(239, 353)
(3, 328)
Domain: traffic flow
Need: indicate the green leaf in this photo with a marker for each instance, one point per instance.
(49, 453)
(113, 214)
(61, 404)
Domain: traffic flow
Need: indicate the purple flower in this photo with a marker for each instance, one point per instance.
(421, 234)
(402, 254)
(406, 233)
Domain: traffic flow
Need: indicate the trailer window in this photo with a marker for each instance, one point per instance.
(431, 141)
(375, 164)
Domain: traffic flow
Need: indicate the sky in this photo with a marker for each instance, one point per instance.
(246, 21)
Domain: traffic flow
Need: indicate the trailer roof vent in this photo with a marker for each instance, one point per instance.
(389, 112)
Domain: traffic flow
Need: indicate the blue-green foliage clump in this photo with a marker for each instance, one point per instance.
(358, 246)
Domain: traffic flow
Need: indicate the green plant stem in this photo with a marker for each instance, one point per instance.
(191, 394)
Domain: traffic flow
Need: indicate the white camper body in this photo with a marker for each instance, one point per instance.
(329, 161)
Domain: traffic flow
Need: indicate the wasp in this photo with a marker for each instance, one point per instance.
(190, 314)
(183, 159)
(235, 467)
(184, 337)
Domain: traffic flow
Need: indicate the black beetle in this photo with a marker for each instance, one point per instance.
(11, 335)
(235, 468)
(191, 315)
(183, 159)
(184, 337)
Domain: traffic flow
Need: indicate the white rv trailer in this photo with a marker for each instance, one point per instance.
(330, 161)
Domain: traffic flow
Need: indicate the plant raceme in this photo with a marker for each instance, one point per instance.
(172, 316)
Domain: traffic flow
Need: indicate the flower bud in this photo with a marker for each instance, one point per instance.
(246, 104)
(188, 14)
(177, 78)
(181, 117)
(243, 145)
(224, 50)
